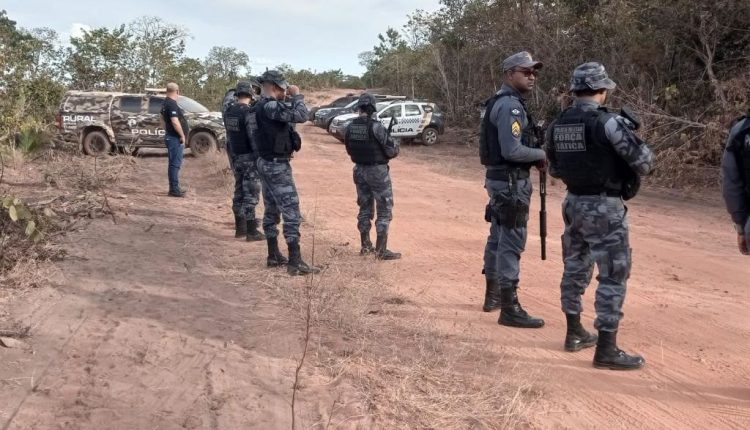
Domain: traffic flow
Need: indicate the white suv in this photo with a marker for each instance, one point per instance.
(415, 120)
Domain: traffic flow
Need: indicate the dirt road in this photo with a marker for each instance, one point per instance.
(160, 321)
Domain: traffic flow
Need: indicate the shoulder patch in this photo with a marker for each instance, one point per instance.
(515, 128)
(516, 112)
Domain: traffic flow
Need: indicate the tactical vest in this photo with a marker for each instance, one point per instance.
(361, 144)
(274, 138)
(490, 153)
(584, 156)
(740, 145)
(235, 123)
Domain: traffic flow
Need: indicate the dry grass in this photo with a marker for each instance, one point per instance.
(60, 189)
(407, 373)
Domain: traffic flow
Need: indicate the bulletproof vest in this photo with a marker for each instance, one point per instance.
(740, 145)
(274, 138)
(584, 157)
(361, 144)
(235, 123)
(490, 153)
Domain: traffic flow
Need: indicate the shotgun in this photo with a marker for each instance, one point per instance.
(543, 212)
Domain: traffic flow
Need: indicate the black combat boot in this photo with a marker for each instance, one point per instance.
(577, 338)
(512, 314)
(366, 244)
(252, 232)
(240, 227)
(491, 296)
(381, 249)
(275, 257)
(296, 266)
(609, 356)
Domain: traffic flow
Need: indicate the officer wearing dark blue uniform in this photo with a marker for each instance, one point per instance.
(240, 123)
(370, 148)
(508, 149)
(277, 141)
(735, 167)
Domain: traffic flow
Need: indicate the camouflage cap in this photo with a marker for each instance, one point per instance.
(275, 77)
(366, 99)
(521, 59)
(244, 87)
(591, 76)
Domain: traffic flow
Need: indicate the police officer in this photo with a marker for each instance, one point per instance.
(735, 167)
(370, 147)
(240, 124)
(277, 141)
(508, 149)
(596, 154)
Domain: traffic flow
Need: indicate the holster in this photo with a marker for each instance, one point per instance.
(508, 209)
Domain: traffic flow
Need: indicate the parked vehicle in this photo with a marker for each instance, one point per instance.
(101, 122)
(415, 120)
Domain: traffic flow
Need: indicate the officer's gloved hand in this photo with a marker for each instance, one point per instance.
(743, 245)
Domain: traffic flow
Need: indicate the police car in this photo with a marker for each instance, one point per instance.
(415, 120)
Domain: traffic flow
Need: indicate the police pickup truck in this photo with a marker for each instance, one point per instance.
(415, 120)
(101, 122)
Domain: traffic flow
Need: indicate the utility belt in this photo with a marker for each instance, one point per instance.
(380, 163)
(506, 173)
(595, 191)
(273, 159)
(507, 208)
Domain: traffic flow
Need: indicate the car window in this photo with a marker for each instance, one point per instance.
(155, 104)
(413, 110)
(352, 104)
(86, 103)
(130, 104)
(342, 102)
(189, 105)
(391, 112)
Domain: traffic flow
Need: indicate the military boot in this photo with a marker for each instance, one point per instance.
(609, 356)
(252, 232)
(512, 314)
(366, 244)
(381, 249)
(296, 266)
(491, 296)
(275, 257)
(577, 338)
(240, 227)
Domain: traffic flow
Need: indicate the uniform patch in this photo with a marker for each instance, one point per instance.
(515, 128)
(516, 112)
(569, 138)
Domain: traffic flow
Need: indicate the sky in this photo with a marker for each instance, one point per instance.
(312, 34)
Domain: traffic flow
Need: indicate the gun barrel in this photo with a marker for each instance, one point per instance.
(543, 213)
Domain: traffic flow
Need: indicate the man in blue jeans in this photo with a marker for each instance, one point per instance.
(176, 128)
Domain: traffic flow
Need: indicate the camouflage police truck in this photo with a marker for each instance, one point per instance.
(102, 122)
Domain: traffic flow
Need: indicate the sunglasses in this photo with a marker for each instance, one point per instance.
(527, 72)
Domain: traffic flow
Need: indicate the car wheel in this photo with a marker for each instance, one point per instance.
(429, 136)
(202, 143)
(96, 143)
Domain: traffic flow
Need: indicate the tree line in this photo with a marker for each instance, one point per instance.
(682, 64)
(37, 67)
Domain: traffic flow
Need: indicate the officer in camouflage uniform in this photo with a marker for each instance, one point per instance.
(596, 153)
(370, 147)
(277, 141)
(240, 123)
(735, 167)
(508, 149)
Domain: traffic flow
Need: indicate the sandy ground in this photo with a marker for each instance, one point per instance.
(158, 321)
